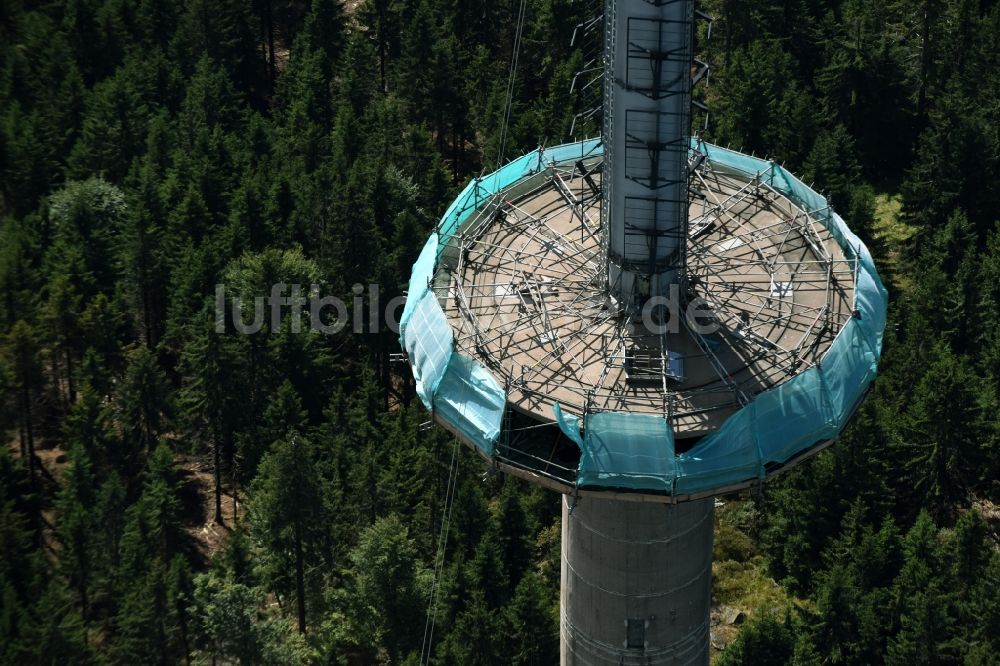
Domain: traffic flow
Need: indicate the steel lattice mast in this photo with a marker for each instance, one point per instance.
(648, 56)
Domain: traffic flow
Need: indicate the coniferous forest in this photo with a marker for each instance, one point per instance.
(173, 495)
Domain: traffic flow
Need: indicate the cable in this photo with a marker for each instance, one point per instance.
(511, 80)
(440, 557)
(432, 602)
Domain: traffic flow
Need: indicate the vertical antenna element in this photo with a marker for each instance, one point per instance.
(648, 54)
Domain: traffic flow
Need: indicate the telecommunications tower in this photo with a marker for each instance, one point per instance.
(642, 322)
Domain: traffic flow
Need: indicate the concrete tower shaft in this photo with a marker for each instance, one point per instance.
(636, 582)
(648, 55)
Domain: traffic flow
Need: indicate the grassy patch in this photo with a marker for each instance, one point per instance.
(739, 571)
(747, 586)
(740, 579)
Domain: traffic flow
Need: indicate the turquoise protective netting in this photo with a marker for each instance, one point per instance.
(470, 400)
(624, 450)
(814, 406)
(458, 389)
(479, 191)
(636, 451)
(420, 279)
(728, 455)
(568, 424)
(428, 342)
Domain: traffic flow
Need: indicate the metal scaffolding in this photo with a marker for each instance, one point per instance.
(527, 297)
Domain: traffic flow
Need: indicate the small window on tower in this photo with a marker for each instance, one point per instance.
(636, 634)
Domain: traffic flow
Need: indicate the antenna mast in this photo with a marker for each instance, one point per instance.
(648, 56)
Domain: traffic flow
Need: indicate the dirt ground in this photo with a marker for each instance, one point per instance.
(196, 493)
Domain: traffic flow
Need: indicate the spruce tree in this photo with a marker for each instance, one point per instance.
(21, 350)
(144, 401)
(75, 528)
(287, 516)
